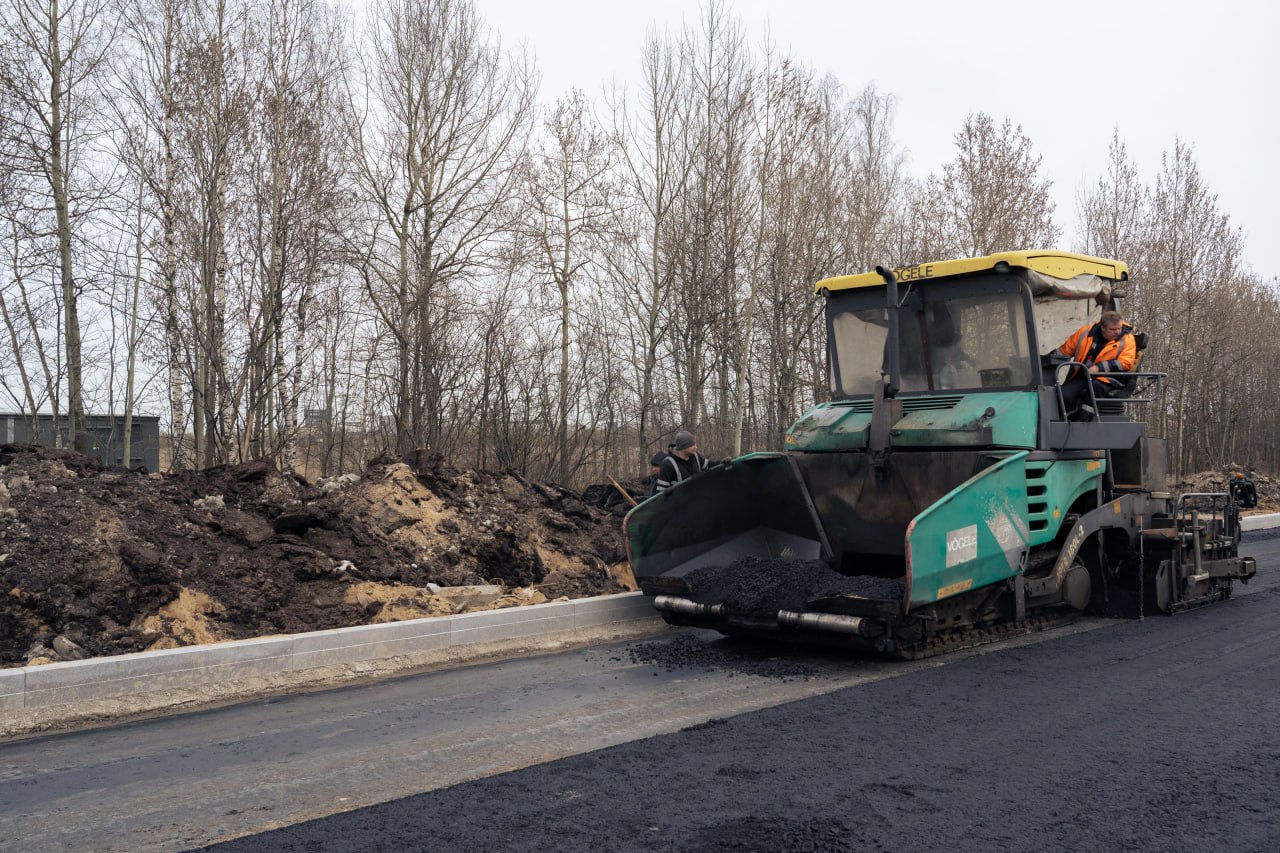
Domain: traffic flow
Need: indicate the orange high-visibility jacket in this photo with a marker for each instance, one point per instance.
(1114, 357)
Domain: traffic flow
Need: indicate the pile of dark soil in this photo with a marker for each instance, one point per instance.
(1268, 488)
(752, 586)
(616, 496)
(98, 561)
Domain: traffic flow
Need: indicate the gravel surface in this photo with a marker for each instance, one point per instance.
(1154, 735)
(689, 652)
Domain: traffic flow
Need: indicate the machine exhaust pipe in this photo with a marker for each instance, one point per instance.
(676, 604)
(834, 622)
(891, 309)
(825, 622)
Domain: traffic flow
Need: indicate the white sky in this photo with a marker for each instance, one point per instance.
(1070, 72)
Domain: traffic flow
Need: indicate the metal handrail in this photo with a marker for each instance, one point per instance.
(1213, 506)
(1149, 391)
(1154, 383)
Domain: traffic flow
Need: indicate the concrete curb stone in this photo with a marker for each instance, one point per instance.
(1260, 522)
(13, 684)
(50, 686)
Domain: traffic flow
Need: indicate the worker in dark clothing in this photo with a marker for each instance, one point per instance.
(1106, 346)
(655, 467)
(1243, 491)
(682, 462)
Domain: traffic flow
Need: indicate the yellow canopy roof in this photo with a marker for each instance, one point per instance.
(1061, 265)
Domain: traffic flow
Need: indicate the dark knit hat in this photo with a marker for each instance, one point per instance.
(683, 440)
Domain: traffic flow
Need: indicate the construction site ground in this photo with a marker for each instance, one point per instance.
(1136, 736)
(1109, 734)
(99, 561)
(102, 561)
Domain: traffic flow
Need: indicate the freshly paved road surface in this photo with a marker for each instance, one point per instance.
(182, 781)
(1162, 734)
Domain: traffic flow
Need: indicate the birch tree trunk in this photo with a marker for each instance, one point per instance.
(55, 53)
(77, 427)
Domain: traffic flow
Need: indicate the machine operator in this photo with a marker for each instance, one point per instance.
(1107, 346)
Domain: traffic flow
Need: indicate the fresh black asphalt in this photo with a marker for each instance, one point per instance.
(1161, 735)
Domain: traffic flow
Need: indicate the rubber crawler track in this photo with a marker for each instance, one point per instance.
(953, 640)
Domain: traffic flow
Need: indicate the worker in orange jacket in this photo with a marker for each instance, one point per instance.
(1106, 346)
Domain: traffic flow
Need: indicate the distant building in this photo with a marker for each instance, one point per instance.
(105, 437)
(315, 418)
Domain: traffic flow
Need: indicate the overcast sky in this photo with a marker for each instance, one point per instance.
(1207, 72)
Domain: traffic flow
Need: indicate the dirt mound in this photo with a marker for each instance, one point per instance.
(97, 561)
(1268, 488)
(616, 496)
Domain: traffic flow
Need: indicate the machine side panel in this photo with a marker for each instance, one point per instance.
(1002, 419)
(1052, 488)
(831, 427)
(942, 420)
(977, 534)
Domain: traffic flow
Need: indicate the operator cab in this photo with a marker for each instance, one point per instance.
(981, 325)
(961, 335)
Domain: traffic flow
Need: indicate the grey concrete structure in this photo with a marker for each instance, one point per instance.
(561, 622)
(105, 437)
(1260, 522)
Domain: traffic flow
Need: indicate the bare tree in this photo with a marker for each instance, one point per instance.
(878, 176)
(126, 311)
(437, 157)
(148, 117)
(23, 324)
(994, 198)
(22, 337)
(922, 230)
(59, 49)
(771, 144)
(212, 109)
(1194, 254)
(299, 191)
(710, 245)
(1113, 217)
(812, 223)
(567, 203)
(790, 114)
(655, 170)
(1192, 293)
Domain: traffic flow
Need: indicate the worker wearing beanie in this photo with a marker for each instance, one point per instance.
(682, 462)
(655, 467)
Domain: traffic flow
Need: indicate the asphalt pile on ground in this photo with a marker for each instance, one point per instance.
(100, 561)
(752, 586)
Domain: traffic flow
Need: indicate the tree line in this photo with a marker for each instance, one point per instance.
(301, 238)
